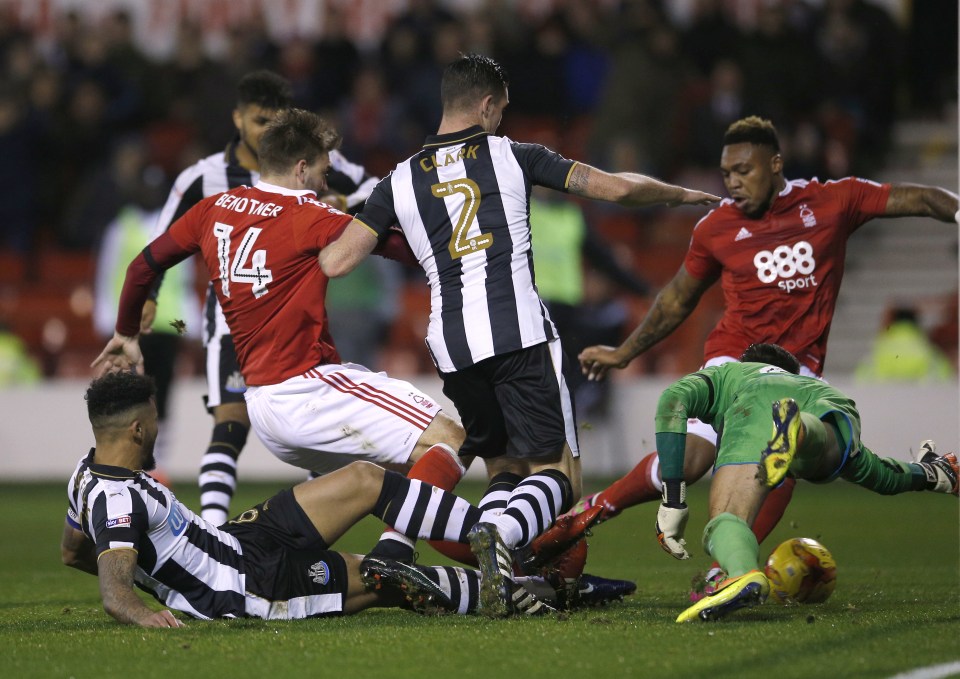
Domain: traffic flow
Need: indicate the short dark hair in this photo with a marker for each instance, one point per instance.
(469, 79)
(293, 135)
(266, 89)
(116, 393)
(752, 130)
(771, 354)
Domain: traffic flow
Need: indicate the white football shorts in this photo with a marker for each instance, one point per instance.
(339, 413)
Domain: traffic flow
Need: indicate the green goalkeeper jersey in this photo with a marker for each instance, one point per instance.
(736, 398)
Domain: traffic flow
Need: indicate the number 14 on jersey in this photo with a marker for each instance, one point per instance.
(256, 274)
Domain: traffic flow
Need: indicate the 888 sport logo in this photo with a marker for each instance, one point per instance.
(793, 265)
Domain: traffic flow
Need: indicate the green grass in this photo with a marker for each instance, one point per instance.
(896, 607)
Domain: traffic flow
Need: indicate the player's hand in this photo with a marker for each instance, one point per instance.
(121, 353)
(671, 522)
(162, 618)
(691, 197)
(595, 361)
(147, 317)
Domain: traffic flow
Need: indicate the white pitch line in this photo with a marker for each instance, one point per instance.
(933, 672)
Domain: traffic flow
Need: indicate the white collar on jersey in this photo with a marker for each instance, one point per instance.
(273, 188)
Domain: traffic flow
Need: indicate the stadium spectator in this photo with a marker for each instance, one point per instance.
(273, 561)
(816, 436)
(490, 336)
(903, 352)
(778, 248)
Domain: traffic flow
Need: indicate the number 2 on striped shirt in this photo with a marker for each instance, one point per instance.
(460, 245)
(258, 275)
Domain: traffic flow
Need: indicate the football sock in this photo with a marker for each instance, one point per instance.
(419, 510)
(218, 470)
(462, 585)
(439, 467)
(773, 507)
(729, 540)
(495, 500)
(533, 506)
(640, 484)
(883, 475)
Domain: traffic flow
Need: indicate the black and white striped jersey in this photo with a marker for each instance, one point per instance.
(186, 563)
(463, 203)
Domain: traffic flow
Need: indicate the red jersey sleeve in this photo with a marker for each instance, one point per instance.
(699, 261)
(860, 200)
(318, 225)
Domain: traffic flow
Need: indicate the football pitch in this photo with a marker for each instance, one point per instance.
(896, 608)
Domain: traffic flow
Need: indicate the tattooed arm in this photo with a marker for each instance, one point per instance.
(672, 306)
(115, 569)
(631, 189)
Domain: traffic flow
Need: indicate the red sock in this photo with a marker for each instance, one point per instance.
(772, 509)
(630, 490)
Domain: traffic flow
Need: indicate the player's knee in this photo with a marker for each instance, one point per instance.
(365, 476)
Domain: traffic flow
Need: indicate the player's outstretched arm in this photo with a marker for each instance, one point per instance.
(671, 307)
(631, 189)
(344, 254)
(916, 200)
(115, 570)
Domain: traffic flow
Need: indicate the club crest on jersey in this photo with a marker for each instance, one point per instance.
(175, 520)
(235, 383)
(319, 573)
(807, 216)
(119, 521)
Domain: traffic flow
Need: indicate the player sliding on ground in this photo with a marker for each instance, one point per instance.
(816, 436)
(273, 561)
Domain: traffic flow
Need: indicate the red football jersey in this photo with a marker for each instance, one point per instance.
(260, 245)
(781, 273)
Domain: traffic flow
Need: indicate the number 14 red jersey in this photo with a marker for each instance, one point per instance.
(260, 246)
(781, 273)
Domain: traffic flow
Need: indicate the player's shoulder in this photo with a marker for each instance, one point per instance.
(725, 212)
(215, 162)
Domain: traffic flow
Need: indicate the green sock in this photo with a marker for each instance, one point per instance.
(729, 540)
(883, 475)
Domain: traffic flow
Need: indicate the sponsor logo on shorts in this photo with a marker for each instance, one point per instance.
(319, 573)
(118, 522)
(235, 383)
(175, 521)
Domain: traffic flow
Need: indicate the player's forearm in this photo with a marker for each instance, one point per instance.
(126, 607)
(639, 190)
(942, 204)
(667, 312)
(136, 289)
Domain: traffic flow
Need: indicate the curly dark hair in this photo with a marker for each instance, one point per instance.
(469, 79)
(266, 89)
(771, 354)
(116, 393)
(752, 130)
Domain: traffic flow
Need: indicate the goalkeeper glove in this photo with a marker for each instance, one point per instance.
(672, 519)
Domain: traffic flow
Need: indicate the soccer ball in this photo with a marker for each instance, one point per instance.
(801, 570)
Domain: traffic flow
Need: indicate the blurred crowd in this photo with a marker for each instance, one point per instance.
(87, 116)
(103, 102)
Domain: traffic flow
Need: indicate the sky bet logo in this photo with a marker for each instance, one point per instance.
(793, 265)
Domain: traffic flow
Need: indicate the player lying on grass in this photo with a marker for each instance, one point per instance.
(273, 561)
(816, 436)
